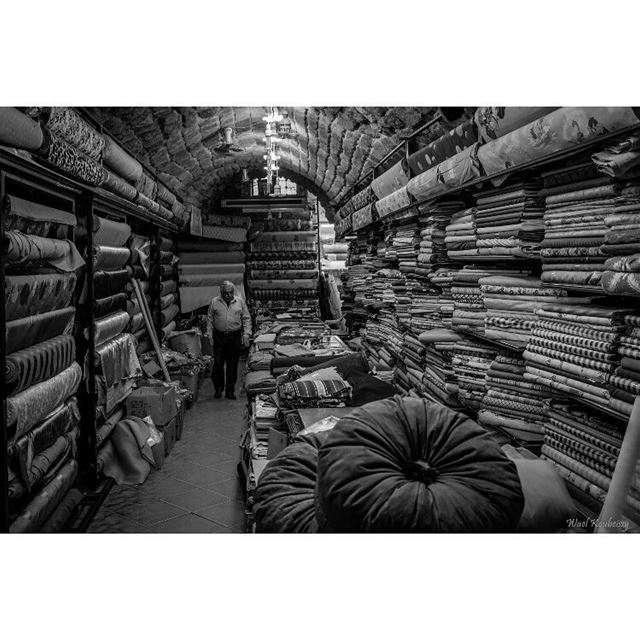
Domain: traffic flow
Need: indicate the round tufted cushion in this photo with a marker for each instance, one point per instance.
(285, 495)
(410, 465)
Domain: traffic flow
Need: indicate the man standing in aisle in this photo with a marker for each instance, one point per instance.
(229, 328)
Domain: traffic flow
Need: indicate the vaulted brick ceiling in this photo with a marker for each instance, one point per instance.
(329, 150)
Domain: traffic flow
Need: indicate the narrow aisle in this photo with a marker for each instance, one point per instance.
(197, 490)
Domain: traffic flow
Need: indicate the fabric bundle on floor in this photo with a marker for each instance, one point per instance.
(572, 349)
(508, 222)
(575, 229)
(561, 129)
(409, 465)
(512, 403)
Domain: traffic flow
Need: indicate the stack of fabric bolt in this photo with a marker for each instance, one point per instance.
(573, 349)
(584, 449)
(471, 362)
(574, 232)
(509, 221)
(621, 246)
(512, 403)
(169, 300)
(460, 236)
(434, 220)
(511, 304)
(413, 352)
(41, 372)
(439, 380)
(406, 242)
(625, 379)
(443, 278)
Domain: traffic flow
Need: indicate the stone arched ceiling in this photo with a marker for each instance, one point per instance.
(329, 150)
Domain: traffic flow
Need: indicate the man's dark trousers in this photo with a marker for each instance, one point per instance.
(226, 351)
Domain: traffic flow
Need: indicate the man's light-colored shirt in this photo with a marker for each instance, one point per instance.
(231, 317)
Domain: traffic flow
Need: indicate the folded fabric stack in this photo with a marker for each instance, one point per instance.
(509, 221)
(469, 308)
(406, 242)
(512, 403)
(624, 381)
(471, 362)
(439, 380)
(323, 388)
(433, 221)
(41, 372)
(264, 417)
(574, 350)
(413, 352)
(575, 230)
(620, 159)
(621, 246)
(460, 236)
(511, 304)
(443, 278)
(584, 449)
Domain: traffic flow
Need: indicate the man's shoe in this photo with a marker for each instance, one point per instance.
(231, 396)
(218, 394)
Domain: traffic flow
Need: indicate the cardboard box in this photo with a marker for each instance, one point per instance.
(168, 432)
(277, 442)
(158, 402)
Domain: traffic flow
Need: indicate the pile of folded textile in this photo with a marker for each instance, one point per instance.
(433, 221)
(469, 310)
(471, 362)
(574, 350)
(413, 352)
(322, 388)
(509, 221)
(625, 380)
(264, 416)
(584, 449)
(575, 230)
(439, 380)
(443, 278)
(512, 302)
(512, 403)
(460, 236)
(406, 242)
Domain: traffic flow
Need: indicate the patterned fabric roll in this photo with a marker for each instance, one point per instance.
(213, 257)
(147, 186)
(363, 198)
(24, 249)
(43, 505)
(110, 326)
(110, 233)
(362, 217)
(168, 286)
(147, 203)
(25, 332)
(558, 130)
(168, 314)
(118, 160)
(19, 130)
(35, 294)
(167, 300)
(69, 160)
(228, 234)
(39, 362)
(119, 186)
(445, 147)
(105, 306)
(31, 217)
(31, 406)
(109, 283)
(391, 180)
(391, 203)
(136, 323)
(494, 122)
(105, 257)
(66, 123)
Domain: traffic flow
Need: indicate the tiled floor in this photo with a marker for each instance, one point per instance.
(197, 490)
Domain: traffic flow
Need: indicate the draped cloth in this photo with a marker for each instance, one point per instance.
(29, 407)
(110, 326)
(39, 362)
(391, 180)
(116, 360)
(73, 129)
(561, 129)
(24, 332)
(409, 465)
(109, 283)
(19, 130)
(110, 232)
(105, 257)
(70, 160)
(31, 217)
(25, 248)
(106, 306)
(447, 145)
(45, 502)
(118, 160)
(28, 295)
(450, 174)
